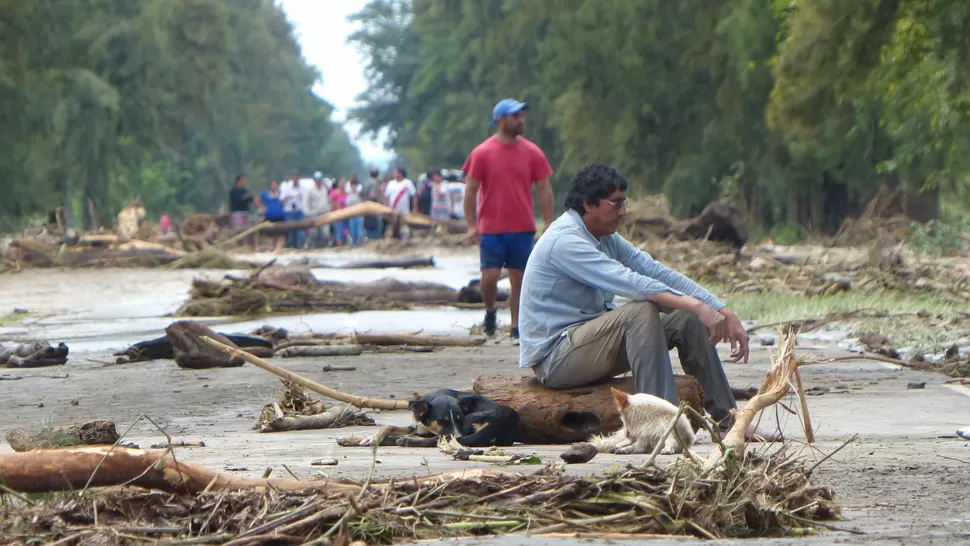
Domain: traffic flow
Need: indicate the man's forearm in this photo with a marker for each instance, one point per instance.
(546, 202)
(687, 304)
(471, 196)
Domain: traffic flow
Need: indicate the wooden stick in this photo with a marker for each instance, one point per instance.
(806, 420)
(359, 401)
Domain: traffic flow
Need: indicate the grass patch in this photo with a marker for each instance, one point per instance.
(931, 334)
(11, 318)
(765, 307)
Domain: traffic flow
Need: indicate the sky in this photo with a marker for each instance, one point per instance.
(322, 29)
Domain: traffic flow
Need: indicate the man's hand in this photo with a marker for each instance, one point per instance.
(716, 322)
(737, 335)
(473, 237)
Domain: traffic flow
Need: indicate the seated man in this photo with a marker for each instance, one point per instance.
(573, 335)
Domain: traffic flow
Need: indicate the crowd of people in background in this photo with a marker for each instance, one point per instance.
(438, 194)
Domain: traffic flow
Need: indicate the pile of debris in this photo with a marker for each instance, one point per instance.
(770, 496)
(276, 289)
(106, 250)
(297, 411)
(816, 270)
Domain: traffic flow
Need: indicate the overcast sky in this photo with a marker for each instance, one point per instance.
(322, 29)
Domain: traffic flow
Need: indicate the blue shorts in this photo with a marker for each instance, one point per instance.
(509, 250)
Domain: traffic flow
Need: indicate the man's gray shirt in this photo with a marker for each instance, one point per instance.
(572, 277)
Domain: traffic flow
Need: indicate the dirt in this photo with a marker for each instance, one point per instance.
(894, 482)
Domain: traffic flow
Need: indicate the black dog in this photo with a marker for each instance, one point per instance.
(472, 419)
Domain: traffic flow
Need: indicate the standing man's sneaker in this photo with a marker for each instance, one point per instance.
(489, 326)
(515, 333)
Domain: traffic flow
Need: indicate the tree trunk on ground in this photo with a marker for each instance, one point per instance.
(921, 206)
(47, 471)
(425, 341)
(563, 416)
(191, 352)
(717, 222)
(69, 469)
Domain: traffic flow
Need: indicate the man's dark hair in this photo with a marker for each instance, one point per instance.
(374, 172)
(239, 177)
(593, 182)
(404, 172)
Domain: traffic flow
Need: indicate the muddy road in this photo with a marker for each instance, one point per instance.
(899, 482)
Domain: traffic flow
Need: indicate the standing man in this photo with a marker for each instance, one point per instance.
(316, 203)
(401, 197)
(503, 170)
(373, 225)
(292, 198)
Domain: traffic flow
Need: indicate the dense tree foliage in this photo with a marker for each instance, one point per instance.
(102, 101)
(798, 110)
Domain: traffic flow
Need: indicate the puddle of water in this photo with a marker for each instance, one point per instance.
(97, 310)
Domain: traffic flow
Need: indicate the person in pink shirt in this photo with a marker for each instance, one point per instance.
(500, 174)
(338, 200)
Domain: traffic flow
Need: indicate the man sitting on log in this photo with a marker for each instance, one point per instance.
(574, 335)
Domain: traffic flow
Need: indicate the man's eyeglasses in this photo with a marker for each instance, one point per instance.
(617, 204)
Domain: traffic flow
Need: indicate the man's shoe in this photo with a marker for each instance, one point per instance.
(514, 333)
(489, 326)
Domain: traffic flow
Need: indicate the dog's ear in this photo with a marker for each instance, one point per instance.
(621, 397)
(420, 408)
(466, 403)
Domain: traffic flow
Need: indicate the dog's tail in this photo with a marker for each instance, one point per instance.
(607, 443)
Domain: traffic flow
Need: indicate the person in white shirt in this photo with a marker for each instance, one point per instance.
(401, 196)
(316, 202)
(456, 190)
(291, 196)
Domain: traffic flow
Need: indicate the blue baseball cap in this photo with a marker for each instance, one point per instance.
(507, 107)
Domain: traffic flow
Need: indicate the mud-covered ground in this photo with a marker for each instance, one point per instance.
(898, 482)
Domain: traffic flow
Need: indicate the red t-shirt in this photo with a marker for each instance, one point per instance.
(507, 172)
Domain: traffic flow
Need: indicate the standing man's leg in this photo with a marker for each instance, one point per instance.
(491, 251)
(518, 248)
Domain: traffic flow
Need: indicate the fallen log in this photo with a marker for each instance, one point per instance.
(386, 263)
(318, 350)
(564, 416)
(48, 471)
(193, 353)
(97, 432)
(425, 341)
(367, 208)
(717, 222)
(44, 471)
